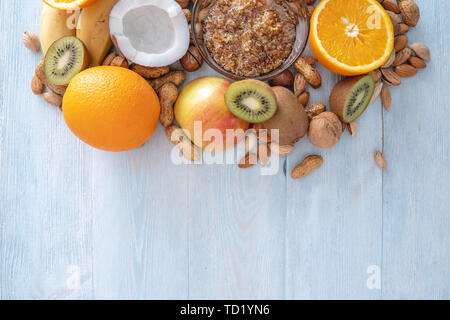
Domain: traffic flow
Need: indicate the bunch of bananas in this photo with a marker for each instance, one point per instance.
(90, 25)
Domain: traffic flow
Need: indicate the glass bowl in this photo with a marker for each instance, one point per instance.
(300, 9)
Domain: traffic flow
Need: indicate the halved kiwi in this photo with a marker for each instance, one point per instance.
(251, 100)
(351, 96)
(64, 59)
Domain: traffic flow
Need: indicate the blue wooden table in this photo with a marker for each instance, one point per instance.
(78, 223)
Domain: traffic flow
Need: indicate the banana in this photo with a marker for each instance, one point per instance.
(93, 29)
(54, 25)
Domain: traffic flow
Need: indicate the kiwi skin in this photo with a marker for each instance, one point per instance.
(341, 92)
(290, 119)
(48, 57)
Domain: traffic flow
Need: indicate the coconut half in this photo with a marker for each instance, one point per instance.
(152, 33)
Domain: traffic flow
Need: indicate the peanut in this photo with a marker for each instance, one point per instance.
(149, 72)
(309, 164)
(311, 75)
(315, 109)
(168, 94)
(175, 77)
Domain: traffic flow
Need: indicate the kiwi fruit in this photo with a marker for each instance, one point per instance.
(290, 119)
(65, 58)
(351, 96)
(251, 100)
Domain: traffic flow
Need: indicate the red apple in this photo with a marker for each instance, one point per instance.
(202, 102)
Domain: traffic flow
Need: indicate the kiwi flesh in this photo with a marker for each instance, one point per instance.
(65, 58)
(351, 96)
(251, 100)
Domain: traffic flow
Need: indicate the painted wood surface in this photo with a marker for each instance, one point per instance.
(136, 226)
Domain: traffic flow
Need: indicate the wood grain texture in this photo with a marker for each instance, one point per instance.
(416, 185)
(46, 228)
(334, 222)
(136, 226)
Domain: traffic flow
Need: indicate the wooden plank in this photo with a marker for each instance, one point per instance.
(140, 224)
(135, 225)
(416, 188)
(235, 227)
(236, 234)
(45, 191)
(333, 223)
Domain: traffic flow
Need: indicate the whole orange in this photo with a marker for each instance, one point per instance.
(111, 108)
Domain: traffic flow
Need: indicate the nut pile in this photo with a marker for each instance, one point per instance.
(164, 80)
(324, 128)
(405, 60)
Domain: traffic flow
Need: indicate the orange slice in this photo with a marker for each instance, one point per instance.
(351, 37)
(69, 4)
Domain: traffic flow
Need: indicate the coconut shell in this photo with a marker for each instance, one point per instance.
(290, 119)
(340, 93)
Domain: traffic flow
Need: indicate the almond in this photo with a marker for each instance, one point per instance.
(380, 160)
(410, 12)
(53, 99)
(400, 42)
(37, 86)
(396, 20)
(405, 70)
(404, 28)
(31, 41)
(250, 142)
(263, 135)
(376, 91)
(263, 153)
(391, 78)
(421, 50)
(283, 150)
(417, 63)
(386, 98)
(401, 57)
(303, 99)
(389, 61)
(375, 74)
(352, 128)
(391, 6)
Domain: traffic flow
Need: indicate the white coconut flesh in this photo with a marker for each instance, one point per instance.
(152, 33)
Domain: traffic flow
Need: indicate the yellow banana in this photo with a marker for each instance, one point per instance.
(93, 29)
(55, 24)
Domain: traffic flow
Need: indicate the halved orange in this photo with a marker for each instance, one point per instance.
(351, 37)
(69, 4)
